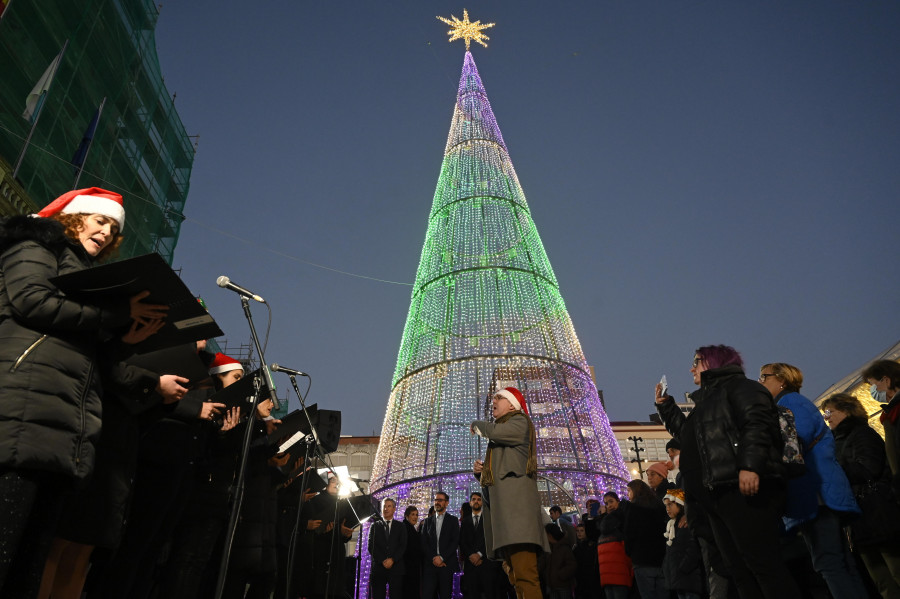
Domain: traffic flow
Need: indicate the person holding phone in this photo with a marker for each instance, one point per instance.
(731, 465)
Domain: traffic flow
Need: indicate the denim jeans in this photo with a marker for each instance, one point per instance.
(650, 582)
(831, 556)
(616, 591)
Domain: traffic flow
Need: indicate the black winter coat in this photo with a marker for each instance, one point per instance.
(254, 541)
(645, 528)
(587, 576)
(49, 381)
(683, 566)
(860, 452)
(736, 427)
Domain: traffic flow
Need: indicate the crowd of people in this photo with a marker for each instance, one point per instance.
(140, 507)
(734, 513)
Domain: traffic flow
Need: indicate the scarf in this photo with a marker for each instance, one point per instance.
(487, 473)
(670, 531)
(889, 414)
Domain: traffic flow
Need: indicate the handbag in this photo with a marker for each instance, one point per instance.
(880, 519)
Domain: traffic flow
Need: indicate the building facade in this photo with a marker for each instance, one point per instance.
(140, 147)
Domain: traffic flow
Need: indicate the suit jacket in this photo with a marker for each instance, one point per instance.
(471, 538)
(449, 541)
(381, 547)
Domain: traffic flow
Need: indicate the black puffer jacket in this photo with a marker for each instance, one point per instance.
(645, 527)
(736, 427)
(49, 381)
(860, 452)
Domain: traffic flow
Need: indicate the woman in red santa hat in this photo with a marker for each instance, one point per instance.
(49, 379)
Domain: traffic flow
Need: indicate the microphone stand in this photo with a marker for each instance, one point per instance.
(319, 452)
(238, 496)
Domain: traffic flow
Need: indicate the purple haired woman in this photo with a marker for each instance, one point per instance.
(731, 448)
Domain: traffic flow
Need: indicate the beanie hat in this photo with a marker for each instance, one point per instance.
(222, 363)
(92, 200)
(673, 444)
(515, 397)
(660, 469)
(676, 495)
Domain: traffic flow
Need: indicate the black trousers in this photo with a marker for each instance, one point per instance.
(747, 533)
(196, 552)
(437, 579)
(482, 582)
(380, 579)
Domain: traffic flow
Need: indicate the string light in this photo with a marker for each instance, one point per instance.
(466, 30)
(486, 313)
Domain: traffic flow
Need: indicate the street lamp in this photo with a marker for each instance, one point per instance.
(637, 454)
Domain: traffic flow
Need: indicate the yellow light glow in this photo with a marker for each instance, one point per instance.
(466, 30)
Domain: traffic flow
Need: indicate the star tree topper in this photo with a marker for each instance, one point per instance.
(466, 30)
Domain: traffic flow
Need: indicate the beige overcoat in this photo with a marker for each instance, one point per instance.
(512, 510)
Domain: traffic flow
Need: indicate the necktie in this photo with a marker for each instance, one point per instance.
(477, 518)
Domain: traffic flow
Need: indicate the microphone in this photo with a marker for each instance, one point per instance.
(290, 371)
(225, 283)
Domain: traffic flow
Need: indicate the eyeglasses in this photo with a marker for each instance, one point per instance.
(696, 362)
(763, 376)
(826, 413)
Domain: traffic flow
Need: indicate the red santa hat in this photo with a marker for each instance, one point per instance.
(515, 397)
(222, 363)
(92, 200)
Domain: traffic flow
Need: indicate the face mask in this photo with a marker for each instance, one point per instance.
(879, 396)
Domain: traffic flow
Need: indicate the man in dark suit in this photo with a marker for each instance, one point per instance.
(440, 538)
(387, 542)
(479, 572)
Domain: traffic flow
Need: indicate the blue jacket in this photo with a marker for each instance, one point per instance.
(824, 477)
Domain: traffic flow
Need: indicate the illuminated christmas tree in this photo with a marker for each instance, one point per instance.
(487, 313)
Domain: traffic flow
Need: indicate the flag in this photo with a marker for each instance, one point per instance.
(36, 97)
(81, 152)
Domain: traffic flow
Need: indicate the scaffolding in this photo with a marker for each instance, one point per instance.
(140, 148)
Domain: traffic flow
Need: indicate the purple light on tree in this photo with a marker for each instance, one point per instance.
(486, 312)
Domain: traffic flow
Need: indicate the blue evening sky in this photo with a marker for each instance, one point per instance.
(699, 172)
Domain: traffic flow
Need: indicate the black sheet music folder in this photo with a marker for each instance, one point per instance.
(186, 321)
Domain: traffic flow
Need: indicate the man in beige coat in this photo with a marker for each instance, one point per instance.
(513, 518)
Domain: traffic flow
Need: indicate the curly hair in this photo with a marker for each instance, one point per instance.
(846, 403)
(74, 224)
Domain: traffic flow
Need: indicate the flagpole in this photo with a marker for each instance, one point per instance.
(90, 143)
(5, 8)
(40, 109)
